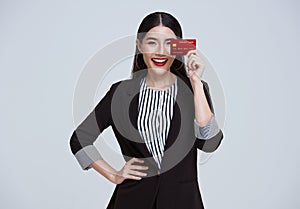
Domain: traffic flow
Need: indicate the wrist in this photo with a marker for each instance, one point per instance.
(113, 177)
(197, 86)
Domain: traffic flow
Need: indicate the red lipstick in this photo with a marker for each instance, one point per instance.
(159, 61)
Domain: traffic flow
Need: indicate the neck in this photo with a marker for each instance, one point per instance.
(160, 81)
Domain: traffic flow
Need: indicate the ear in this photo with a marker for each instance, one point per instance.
(138, 44)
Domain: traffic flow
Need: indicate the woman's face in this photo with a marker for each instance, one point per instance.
(155, 48)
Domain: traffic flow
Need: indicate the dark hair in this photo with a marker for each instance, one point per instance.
(150, 21)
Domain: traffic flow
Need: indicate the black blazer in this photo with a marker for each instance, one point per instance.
(175, 185)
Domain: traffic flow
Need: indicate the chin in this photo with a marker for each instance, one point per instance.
(159, 70)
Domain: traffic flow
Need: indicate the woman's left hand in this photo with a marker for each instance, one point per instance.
(195, 65)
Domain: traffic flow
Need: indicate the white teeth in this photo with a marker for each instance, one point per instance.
(159, 60)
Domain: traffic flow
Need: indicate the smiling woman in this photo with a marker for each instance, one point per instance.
(172, 114)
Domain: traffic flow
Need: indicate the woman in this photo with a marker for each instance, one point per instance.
(160, 117)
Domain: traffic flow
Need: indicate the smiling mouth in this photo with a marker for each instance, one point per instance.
(159, 61)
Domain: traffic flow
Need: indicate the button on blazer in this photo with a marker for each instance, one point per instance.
(175, 184)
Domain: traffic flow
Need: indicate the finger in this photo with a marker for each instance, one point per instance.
(190, 73)
(138, 167)
(193, 56)
(195, 65)
(126, 173)
(192, 64)
(197, 53)
(191, 52)
(197, 56)
(136, 173)
(133, 177)
(188, 64)
(132, 160)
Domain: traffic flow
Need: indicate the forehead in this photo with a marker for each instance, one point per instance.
(161, 32)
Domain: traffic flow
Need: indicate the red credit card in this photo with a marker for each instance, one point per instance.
(182, 46)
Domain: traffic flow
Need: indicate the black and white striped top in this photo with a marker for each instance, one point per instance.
(154, 117)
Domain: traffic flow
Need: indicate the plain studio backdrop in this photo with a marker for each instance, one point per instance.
(253, 46)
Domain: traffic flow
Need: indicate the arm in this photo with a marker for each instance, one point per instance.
(87, 155)
(86, 133)
(208, 135)
(102, 167)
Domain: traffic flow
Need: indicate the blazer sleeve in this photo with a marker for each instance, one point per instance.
(83, 137)
(209, 137)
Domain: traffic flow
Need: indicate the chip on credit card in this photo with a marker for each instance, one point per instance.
(182, 46)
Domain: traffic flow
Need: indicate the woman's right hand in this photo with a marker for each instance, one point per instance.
(129, 171)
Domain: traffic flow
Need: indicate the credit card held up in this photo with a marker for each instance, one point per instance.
(182, 46)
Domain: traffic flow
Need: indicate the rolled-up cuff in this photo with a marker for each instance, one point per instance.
(208, 131)
(87, 155)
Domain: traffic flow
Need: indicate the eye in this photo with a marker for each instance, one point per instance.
(151, 42)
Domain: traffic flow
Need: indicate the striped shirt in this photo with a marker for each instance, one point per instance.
(155, 113)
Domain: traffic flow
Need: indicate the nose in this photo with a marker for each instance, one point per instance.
(162, 49)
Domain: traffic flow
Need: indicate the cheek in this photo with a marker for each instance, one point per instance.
(171, 61)
(147, 58)
(168, 50)
(148, 49)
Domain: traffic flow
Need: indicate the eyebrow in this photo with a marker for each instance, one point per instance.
(152, 38)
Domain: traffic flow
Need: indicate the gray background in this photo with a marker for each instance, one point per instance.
(253, 45)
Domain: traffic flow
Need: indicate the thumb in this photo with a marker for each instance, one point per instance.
(190, 73)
